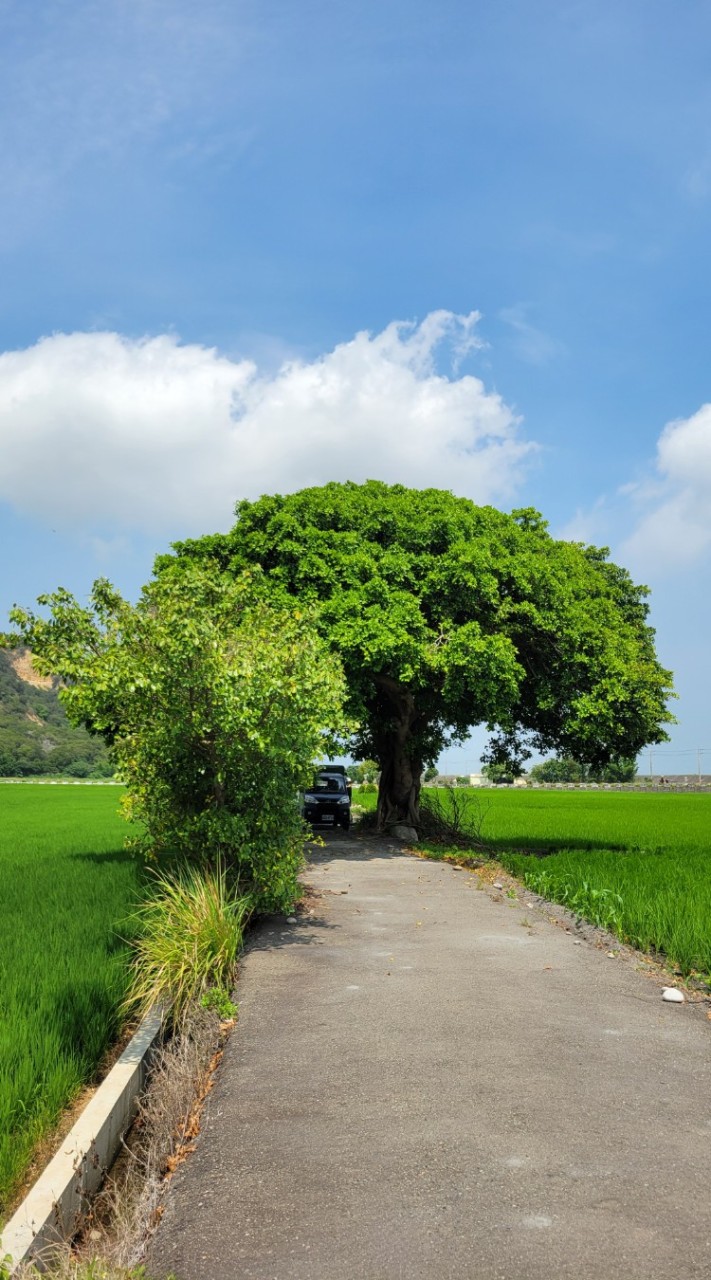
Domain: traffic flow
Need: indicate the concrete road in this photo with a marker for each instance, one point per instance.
(431, 1080)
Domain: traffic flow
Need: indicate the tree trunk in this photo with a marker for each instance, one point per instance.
(400, 767)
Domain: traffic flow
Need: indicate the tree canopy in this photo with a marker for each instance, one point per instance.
(447, 615)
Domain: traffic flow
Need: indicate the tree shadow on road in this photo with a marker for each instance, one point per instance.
(273, 931)
(352, 845)
(363, 847)
(310, 919)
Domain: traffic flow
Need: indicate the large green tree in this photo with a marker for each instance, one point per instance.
(447, 615)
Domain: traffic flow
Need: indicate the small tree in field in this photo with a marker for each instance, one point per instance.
(567, 770)
(555, 770)
(214, 705)
(497, 773)
(445, 616)
(365, 772)
(617, 771)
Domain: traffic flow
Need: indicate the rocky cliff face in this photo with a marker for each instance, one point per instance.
(21, 662)
(35, 735)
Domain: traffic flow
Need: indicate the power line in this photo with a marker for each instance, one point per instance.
(698, 752)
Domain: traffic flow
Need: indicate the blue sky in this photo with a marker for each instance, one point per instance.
(460, 244)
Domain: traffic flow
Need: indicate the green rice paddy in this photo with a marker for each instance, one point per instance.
(639, 865)
(65, 884)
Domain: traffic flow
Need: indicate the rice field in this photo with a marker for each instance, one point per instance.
(637, 864)
(66, 883)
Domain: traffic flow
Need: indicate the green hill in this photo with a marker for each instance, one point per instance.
(35, 735)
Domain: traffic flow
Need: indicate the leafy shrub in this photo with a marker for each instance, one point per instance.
(215, 705)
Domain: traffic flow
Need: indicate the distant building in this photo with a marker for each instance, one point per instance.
(474, 779)
(481, 780)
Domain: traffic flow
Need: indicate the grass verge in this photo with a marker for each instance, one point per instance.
(638, 865)
(658, 900)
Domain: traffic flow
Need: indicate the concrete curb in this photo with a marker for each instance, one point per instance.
(52, 1209)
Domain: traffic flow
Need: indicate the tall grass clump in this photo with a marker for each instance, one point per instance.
(189, 934)
(448, 816)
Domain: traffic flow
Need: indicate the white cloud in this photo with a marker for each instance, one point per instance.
(674, 507)
(104, 432)
(662, 521)
(532, 344)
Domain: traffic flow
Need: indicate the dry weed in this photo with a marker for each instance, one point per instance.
(129, 1207)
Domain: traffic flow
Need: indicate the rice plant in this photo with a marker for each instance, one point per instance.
(65, 883)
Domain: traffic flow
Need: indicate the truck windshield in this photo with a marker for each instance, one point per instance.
(329, 784)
